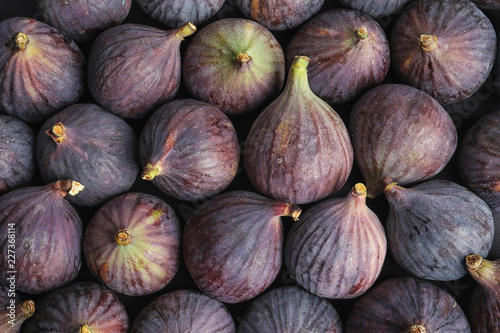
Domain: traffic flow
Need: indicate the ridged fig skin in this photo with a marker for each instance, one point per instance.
(134, 68)
(279, 15)
(189, 149)
(376, 8)
(132, 244)
(48, 237)
(77, 305)
(401, 133)
(83, 20)
(290, 309)
(397, 304)
(235, 64)
(184, 311)
(233, 244)
(96, 148)
(432, 226)
(17, 153)
(13, 311)
(349, 229)
(298, 148)
(348, 51)
(42, 78)
(487, 4)
(445, 48)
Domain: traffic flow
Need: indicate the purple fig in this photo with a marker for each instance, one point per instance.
(189, 149)
(13, 311)
(487, 4)
(446, 48)
(184, 311)
(235, 64)
(400, 134)
(376, 8)
(42, 238)
(348, 51)
(41, 69)
(233, 244)
(134, 68)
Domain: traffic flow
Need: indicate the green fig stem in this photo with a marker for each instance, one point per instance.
(149, 172)
(57, 132)
(362, 33)
(293, 211)
(85, 329)
(123, 237)
(21, 40)
(473, 262)
(185, 30)
(297, 76)
(359, 190)
(428, 42)
(417, 329)
(69, 186)
(243, 58)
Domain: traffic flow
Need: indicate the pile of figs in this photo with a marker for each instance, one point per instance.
(250, 166)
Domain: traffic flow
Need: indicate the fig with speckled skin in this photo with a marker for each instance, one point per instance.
(376, 8)
(13, 311)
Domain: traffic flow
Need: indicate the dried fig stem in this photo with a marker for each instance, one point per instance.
(21, 40)
(473, 262)
(186, 30)
(428, 42)
(362, 33)
(417, 329)
(57, 132)
(149, 172)
(123, 237)
(27, 308)
(293, 211)
(85, 329)
(69, 186)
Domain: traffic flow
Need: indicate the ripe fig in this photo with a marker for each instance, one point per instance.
(133, 68)
(41, 69)
(347, 228)
(235, 64)
(432, 226)
(348, 51)
(17, 153)
(298, 149)
(290, 309)
(487, 4)
(446, 48)
(84, 307)
(189, 149)
(233, 243)
(42, 238)
(13, 311)
(401, 133)
(376, 8)
(184, 311)
(407, 304)
(90, 144)
(132, 244)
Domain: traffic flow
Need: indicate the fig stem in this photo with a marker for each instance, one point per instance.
(362, 33)
(417, 329)
(28, 308)
(57, 132)
(185, 30)
(21, 40)
(123, 237)
(243, 58)
(428, 42)
(359, 189)
(473, 262)
(149, 172)
(69, 186)
(85, 329)
(293, 211)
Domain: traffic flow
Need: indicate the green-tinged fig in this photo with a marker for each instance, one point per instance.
(13, 311)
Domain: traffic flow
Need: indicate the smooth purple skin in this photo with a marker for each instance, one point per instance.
(184, 311)
(376, 8)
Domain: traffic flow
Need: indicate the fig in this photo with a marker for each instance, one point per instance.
(85, 307)
(235, 64)
(184, 311)
(406, 304)
(233, 244)
(13, 311)
(376, 8)
(134, 68)
(83, 20)
(290, 309)
(432, 226)
(445, 48)
(90, 144)
(42, 238)
(42, 70)
(401, 134)
(348, 51)
(132, 244)
(298, 149)
(189, 149)
(487, 4)
(347, 228)
(17, 153)
(485, 303)
(280, 15)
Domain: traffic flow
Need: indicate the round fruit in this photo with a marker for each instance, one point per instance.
(13, 311)
(376, 8)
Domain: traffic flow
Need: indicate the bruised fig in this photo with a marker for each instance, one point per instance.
(400, 134)
(432, 226)
(233, 243)
(43, 235)
(446, 48)
(189, 149)
(376, 8)
(298, 149)
(13, 311)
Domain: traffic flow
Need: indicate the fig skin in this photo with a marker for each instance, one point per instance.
(48, 234)
(406, 304)
(79, 307)
(432, 226)
(233, 244)
(344, 226)
(298, 149)
(83, 20)
(17, 153)
(376, 8)
(445, 48)
(290, 309)
(189, 149)
(90, 144)
(13, 311)
(184, 311)
(400, 134)
(134, 68)
(348, 51)
(487, 4)
(41, 69)
(235, 64)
